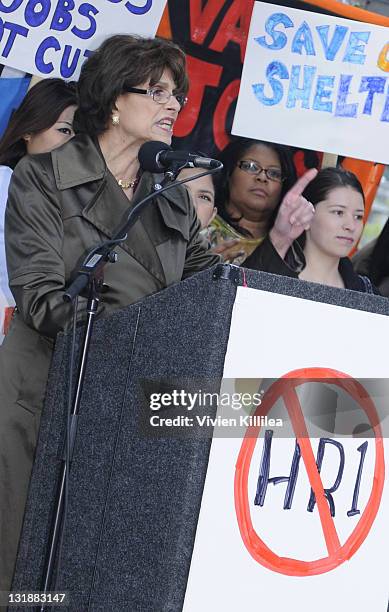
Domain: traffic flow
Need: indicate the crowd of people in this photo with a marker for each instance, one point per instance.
(69, 173)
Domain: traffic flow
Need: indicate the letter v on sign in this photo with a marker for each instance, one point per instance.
(202, 19)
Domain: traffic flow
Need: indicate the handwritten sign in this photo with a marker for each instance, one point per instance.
(53, 38)
(337, 553)
(315, 81)
(293, 520)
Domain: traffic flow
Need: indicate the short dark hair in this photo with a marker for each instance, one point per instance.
(124, 61)
(328, 179)
(230, 156)
(40, 109)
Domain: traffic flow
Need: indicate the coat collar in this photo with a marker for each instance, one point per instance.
(77, 162)
(80, 161)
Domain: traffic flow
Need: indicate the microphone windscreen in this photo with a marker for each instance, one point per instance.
(148, 154)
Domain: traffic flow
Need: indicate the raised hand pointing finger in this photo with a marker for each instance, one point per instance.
(294, 215)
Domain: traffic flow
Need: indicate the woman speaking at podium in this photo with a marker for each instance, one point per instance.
(63, 204)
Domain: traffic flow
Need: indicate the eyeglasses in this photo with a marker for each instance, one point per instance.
(273, 174)
(159, 95)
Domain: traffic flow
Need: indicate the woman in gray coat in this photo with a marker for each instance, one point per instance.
(64, 203)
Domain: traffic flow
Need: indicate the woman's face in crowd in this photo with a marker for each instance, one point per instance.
(53, 137)
(338, 222)
(254, 195)
(142, 119)
(202, 192)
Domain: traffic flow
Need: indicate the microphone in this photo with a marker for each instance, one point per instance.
(155, 156)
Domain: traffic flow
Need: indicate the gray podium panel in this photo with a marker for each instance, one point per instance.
(135, 499)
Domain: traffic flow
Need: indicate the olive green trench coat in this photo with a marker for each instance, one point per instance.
(60, 206)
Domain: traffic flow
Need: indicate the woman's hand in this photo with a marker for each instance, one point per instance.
(294, 215)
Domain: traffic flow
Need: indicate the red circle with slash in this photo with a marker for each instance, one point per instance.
(337, 552)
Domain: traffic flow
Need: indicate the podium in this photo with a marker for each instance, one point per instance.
(135, 498)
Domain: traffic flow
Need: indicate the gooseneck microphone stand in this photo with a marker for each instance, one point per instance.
(90, 275)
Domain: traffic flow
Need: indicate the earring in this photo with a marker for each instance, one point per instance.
(115, 119)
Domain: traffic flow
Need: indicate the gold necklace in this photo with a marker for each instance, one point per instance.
(126, 183)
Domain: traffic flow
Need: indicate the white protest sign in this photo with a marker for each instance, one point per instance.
(317, 82)
(52, 38)
(251, 553)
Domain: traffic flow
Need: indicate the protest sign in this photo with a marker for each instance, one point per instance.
(337, 552)
(276, 532)
(315, 81)
(52, 39)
